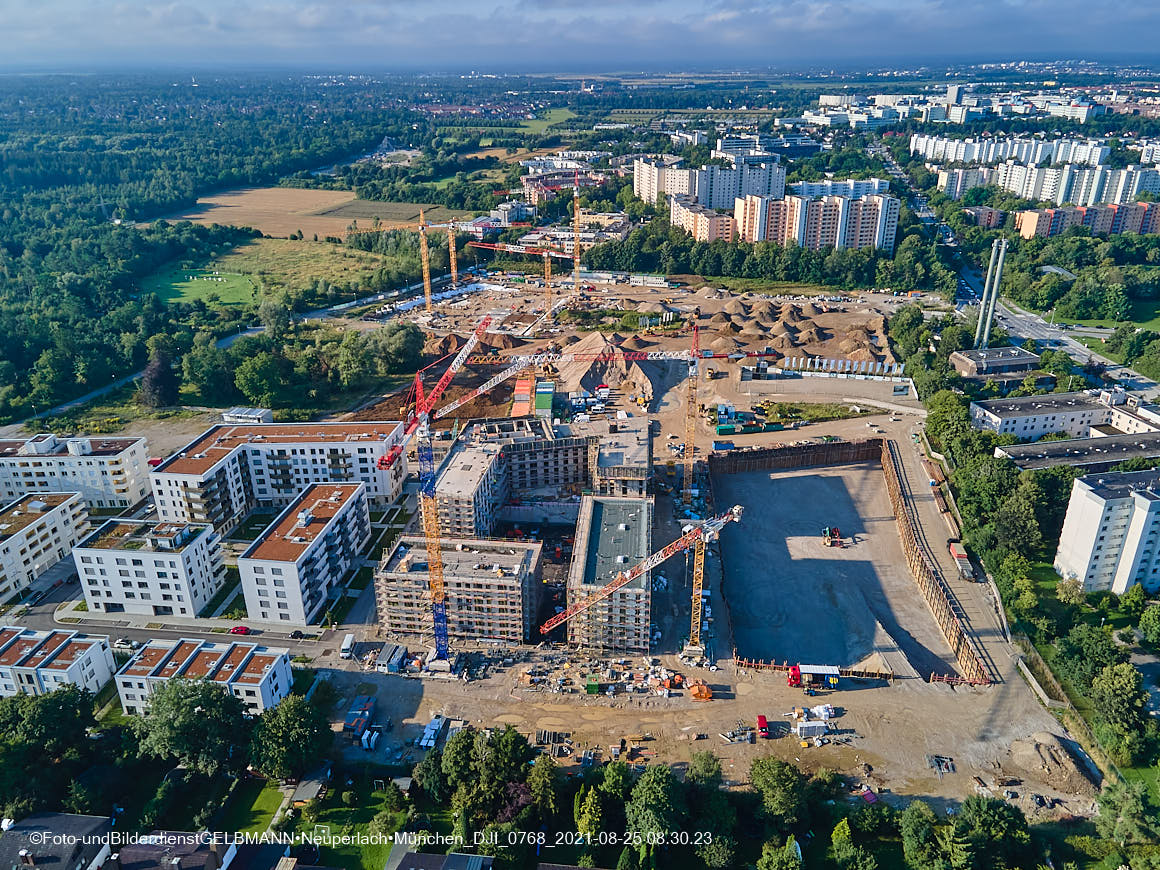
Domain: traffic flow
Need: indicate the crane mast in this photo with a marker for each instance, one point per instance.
(451, 253)
(708, 529)
(576, 234)
(425, 259)
(691, 419)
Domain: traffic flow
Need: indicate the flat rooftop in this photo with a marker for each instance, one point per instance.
(1054, 403)
(47, 444)
(165, 537)
(218, 442)
(465, 468)
(302, 522)
(1110, 450)
(1121, 484)
(204, 661)
(991, 355)
(476, 558)
(619, 536)
(22, 513)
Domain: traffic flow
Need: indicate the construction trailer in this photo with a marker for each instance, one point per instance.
(812, 675)
(810, 728)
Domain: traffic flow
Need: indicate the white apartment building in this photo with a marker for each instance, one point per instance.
(851, 188)
(226, 472)
(955, 182)
(1091, 152)
(703, 224)
(712, 186)
(107, 472)
(150, 569)
(295, 569)
(1109, 538)
(36, 532)
(1076, 414)
(260, 676)
(37, 662)
(1078, 186)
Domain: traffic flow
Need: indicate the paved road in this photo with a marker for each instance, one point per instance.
(1025, 324)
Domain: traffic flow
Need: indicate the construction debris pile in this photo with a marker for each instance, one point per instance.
(611, 678)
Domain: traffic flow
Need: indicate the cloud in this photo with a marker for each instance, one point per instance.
(564, 34)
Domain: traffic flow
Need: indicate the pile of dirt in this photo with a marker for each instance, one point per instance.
(626, 376)
(753, 332)
(812, 335)
(783, 328)
(437, 346)
(811, 310)
(637, 343)
(736, 307)
(652, 308)
(1045, 757)
(728, 345)
(790, 314)
(502, 341)
(719, 320)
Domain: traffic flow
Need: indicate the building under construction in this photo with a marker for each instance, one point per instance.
(496, 467)
(492, 589)
(612, 535)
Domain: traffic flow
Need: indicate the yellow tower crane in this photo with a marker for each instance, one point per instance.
(425, 258)
(548, 283)
(691, 419)
(576, 235)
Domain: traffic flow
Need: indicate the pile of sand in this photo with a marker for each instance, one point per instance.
(790, 314)
(652, 308)
(812, 335)
(736, 307)
(811, 310)
(500, 341)
(438, 346)
(626, 376)
(719, 320)
(637, 343)
(1045, 757)
(728, 345)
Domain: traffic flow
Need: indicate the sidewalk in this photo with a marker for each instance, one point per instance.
(67, 614)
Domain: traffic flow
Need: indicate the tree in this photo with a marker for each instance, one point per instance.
(1119, 699)
(1127, 813)
(782, 790)
(199, 723)
(206, 368)
(1084, 652)
(589, 821)
(459, 760)
(429, 774)
(1070, 591)
(617, 781)
(1134, 601)
(998, 831)
(628, 859)
(775, 857)
(159, 383)
(543, 781)
(917, 824)
(259, 378)
(289, 738)
(655, 806)
(704, 770)
(275, 316)
(1149, 624)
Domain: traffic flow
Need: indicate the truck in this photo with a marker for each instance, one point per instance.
(346, 651)
(762, 727)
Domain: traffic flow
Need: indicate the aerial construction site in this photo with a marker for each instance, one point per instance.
(645, 533)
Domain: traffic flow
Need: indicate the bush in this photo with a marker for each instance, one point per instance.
(349, 798)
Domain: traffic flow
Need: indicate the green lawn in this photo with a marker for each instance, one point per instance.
(362, 579)
(338, 613)
(550, 117)
(233, 581)
(253, 525)
(1145, 313)
(251, 808)
(341, 819)
(758, 285)
(1097, 344)
(303, 680)
(189, 284)
(810, 412)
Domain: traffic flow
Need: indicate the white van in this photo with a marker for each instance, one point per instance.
(347, 650)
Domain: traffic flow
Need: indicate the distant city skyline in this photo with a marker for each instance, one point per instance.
(552, 35)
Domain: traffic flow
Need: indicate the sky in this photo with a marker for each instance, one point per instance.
(563, 35)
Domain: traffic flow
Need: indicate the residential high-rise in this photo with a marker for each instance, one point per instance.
(293, 572)
(150, 569)
(1110, 530)
(703, 224)
(831, 221)
(492, 589)
(107, 472)
(1132, 217)
(713, 186)
(229, 470)
(36, 532)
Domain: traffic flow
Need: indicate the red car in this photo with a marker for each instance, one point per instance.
(239, 629)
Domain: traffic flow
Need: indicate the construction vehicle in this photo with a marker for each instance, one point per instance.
(694, 534)
(832, 537)
(800, 676)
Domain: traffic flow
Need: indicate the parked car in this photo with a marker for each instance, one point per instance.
(123, 643)
(240, 629)
(296, 635)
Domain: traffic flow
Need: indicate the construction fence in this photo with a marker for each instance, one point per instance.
(922, 566)
(926, 574)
